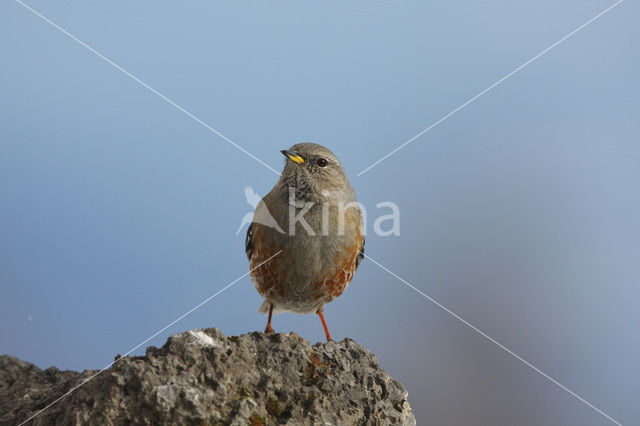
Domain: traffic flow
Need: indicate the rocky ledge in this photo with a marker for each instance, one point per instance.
(203, 377)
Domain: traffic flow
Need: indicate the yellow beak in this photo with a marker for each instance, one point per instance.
(293, 156)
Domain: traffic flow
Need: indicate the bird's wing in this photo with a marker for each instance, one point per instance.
(360, 254)
(248, 242)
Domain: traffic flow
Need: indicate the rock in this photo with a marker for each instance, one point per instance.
(203, 377)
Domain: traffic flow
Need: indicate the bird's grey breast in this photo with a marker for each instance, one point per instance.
(329, 229)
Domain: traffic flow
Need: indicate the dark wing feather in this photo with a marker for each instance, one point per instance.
(248, 242)
(360, 254)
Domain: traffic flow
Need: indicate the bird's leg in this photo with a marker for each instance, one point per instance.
(324, 324)
(269, 329)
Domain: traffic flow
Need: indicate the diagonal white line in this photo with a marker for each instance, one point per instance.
(492, 86)
(518, 357)
(145, 85)
(151, 337)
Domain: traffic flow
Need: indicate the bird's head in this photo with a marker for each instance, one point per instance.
(314, 169)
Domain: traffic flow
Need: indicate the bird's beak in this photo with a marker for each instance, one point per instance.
(293, 155)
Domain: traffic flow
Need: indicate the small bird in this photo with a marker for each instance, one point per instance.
(310, 260)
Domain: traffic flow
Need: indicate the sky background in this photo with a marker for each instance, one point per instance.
(521, 212)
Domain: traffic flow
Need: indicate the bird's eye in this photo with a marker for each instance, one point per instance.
(322, 162)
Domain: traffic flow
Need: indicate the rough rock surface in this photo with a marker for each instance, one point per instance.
(203, 377)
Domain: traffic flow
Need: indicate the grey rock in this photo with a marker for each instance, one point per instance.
(203, 377)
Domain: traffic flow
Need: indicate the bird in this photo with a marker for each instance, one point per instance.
(311, 257)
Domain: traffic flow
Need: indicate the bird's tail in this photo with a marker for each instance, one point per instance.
(264, 309)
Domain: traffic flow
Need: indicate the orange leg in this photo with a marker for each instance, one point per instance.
(269, 329)
(324, 324)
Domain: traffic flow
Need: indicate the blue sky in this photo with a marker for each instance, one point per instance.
(521, 212)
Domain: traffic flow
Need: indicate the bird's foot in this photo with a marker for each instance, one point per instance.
(269, 329)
